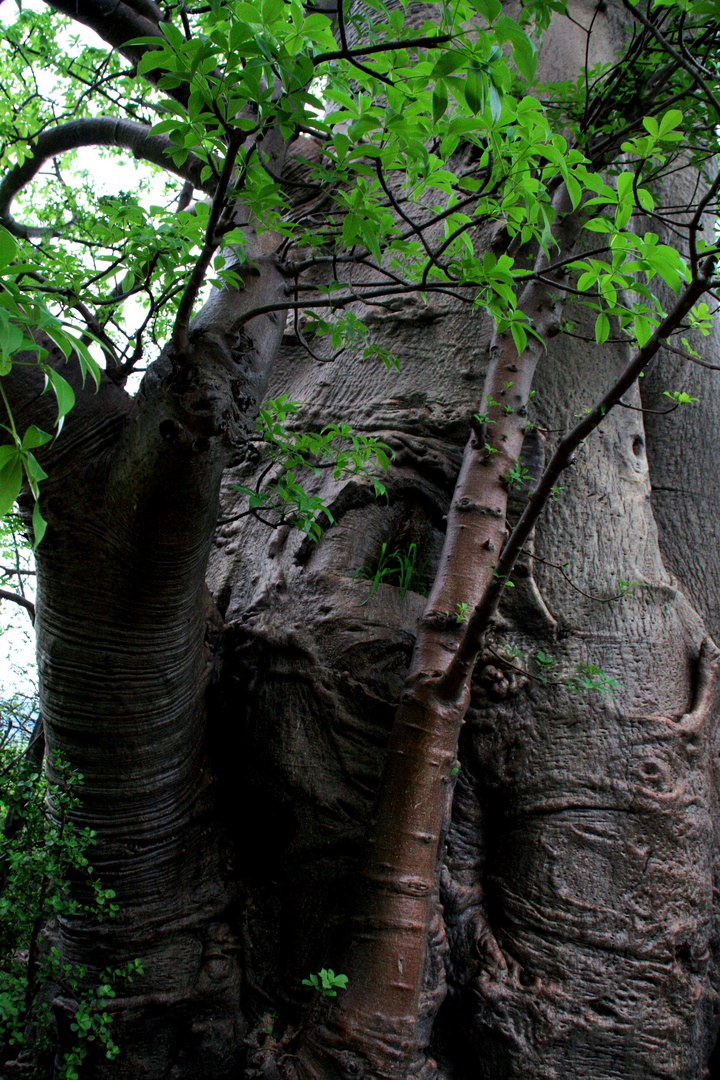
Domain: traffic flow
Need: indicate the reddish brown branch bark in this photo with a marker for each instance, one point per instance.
(387, 954)
(464, 659)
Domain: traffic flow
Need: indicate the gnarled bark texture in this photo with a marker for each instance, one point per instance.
(232, 747)
(576, 933)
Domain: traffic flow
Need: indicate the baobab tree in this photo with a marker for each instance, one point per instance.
(378, 618)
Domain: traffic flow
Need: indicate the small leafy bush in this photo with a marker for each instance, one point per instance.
(40, 850)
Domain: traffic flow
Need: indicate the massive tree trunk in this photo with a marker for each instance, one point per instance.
(576, 934)
(127, 635)
(232, 740)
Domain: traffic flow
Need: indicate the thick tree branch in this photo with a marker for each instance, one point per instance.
(93, 131)
(118, 22)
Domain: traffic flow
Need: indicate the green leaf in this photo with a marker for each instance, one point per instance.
(34, 437)
(489, 9)
(599, 225)
(519, 337)
(39, 524)
(645, 199)
(625, 185)
(34, 470)
(11, 337)
(524, 52)
(495, 102)
(475, 89)
(11, 476)
(439, 100)
(448, 62)
(602, 328)
(63, 392)
(671, 119)
(87, 362)
(8, 247)
(643, 329)
(623, 214)
(574, 190)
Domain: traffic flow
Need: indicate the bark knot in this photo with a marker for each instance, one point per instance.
(464, 505)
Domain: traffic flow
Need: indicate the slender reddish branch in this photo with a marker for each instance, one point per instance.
(387, 955)
(398, 881)
(464, 660)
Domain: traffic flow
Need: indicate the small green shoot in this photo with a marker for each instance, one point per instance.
(505, 580)
(518, 476)
(680, 397)
(268, 1019)
(591, 677)
(461, 613)
(326, 982)
(544, 662)
(393, 568)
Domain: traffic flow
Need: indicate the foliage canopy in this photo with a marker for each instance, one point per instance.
(418, 132)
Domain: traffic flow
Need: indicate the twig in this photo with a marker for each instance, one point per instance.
(385, 46)
(571, 583)
(16, 598)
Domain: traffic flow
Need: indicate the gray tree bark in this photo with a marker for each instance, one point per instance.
(232, 749)
(577, 930)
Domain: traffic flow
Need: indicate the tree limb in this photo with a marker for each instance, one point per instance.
(385, 46)
(118, 22)
(93, 131)
(463, 661)
(16, 598)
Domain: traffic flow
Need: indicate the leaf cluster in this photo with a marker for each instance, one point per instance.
(287, 453)
(40, 850)
(425, 137)
(326, 982)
